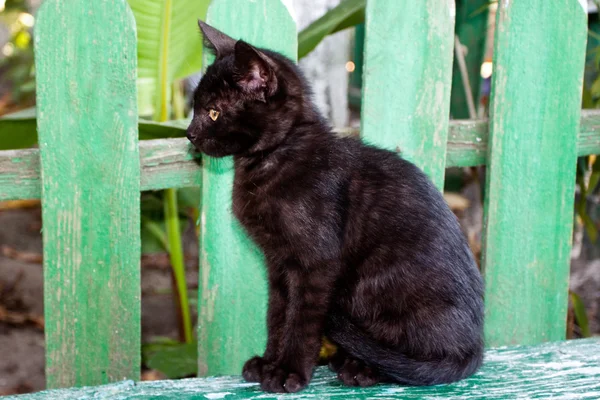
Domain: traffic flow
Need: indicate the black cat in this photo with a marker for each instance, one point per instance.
(360, 246)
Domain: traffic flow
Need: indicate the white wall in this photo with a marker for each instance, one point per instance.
(325, 66)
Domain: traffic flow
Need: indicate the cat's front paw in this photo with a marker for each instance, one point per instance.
(277, 379)
(252, 371)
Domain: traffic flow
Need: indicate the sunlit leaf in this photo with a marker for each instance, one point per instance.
(169, 44)
(348, 13)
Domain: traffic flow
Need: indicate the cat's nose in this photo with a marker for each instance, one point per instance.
(190, 134)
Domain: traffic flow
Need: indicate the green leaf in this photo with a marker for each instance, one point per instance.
(17, 130)
(146, 90)
(156, 238)
(159, 130)
(595, 89)
(586, 99)
(590, 226)
(189, 197)
(169, 42)
(168, 36)
(348, 13)
(595, 176)
(153, 225)
(482, 9)
(175, 360)
(580, 314)
(154, 234)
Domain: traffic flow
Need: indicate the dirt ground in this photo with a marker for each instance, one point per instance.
(21, 299)
(21, 292)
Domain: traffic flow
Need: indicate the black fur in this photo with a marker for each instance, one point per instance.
(360, 245)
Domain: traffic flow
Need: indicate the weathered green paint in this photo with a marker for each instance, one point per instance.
(232, 288)
(588, 139)
(168, 163)
(407, 79)
(20, 174)
(467, 143)
(87, 123)
(563, 370)
(471, 29)
(174, 163)
(165, 163)
(535, 117)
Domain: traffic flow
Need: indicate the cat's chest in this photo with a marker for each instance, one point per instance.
(257, 209)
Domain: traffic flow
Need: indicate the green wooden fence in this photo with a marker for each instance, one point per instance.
(87, 173)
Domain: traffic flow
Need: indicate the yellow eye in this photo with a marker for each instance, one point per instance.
(213, 114)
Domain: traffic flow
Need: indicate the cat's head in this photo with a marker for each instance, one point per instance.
(246, 100)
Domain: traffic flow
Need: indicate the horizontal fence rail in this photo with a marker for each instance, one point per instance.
(168, 163)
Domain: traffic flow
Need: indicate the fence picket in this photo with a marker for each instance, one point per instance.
(535, 114)
(232, 288)
(408, 78)
(87, 123)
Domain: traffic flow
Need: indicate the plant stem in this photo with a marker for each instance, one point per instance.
(176, 256)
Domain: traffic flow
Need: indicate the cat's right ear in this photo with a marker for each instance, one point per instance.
(215, 40)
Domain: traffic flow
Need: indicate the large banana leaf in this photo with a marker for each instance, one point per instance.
(169, 44)
(345, 15)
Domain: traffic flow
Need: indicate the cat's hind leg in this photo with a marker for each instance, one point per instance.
(352, 371)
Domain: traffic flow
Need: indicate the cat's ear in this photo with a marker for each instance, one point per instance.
(215, 40)
(255, 72)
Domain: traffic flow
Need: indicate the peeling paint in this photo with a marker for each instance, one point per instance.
(565, 370)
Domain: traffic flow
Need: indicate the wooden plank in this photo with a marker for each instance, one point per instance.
(562, 370)
(87, 123)
(232, 288)
(169, 163)
(535, 117)
(174, 163)
(588, 139)
(407, 79)
(467, 143)
(20, 174)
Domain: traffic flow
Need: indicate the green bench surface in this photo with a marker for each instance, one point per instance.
(561, 370)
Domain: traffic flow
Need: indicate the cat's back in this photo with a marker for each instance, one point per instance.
(385, 178)
(393, 204)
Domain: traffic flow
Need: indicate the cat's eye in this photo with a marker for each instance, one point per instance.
(213, 114)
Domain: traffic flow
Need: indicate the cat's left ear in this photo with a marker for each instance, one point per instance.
(215, 40)
(255, 72)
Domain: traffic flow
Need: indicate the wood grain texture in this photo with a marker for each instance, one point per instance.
(232, 289)
(165, 163)
(535, 116)
(562, 370)
(467, 143)
(169, 163)
(87, 123)
(20, 174)
(407, 80)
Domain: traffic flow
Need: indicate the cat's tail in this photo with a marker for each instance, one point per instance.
(396, 367)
